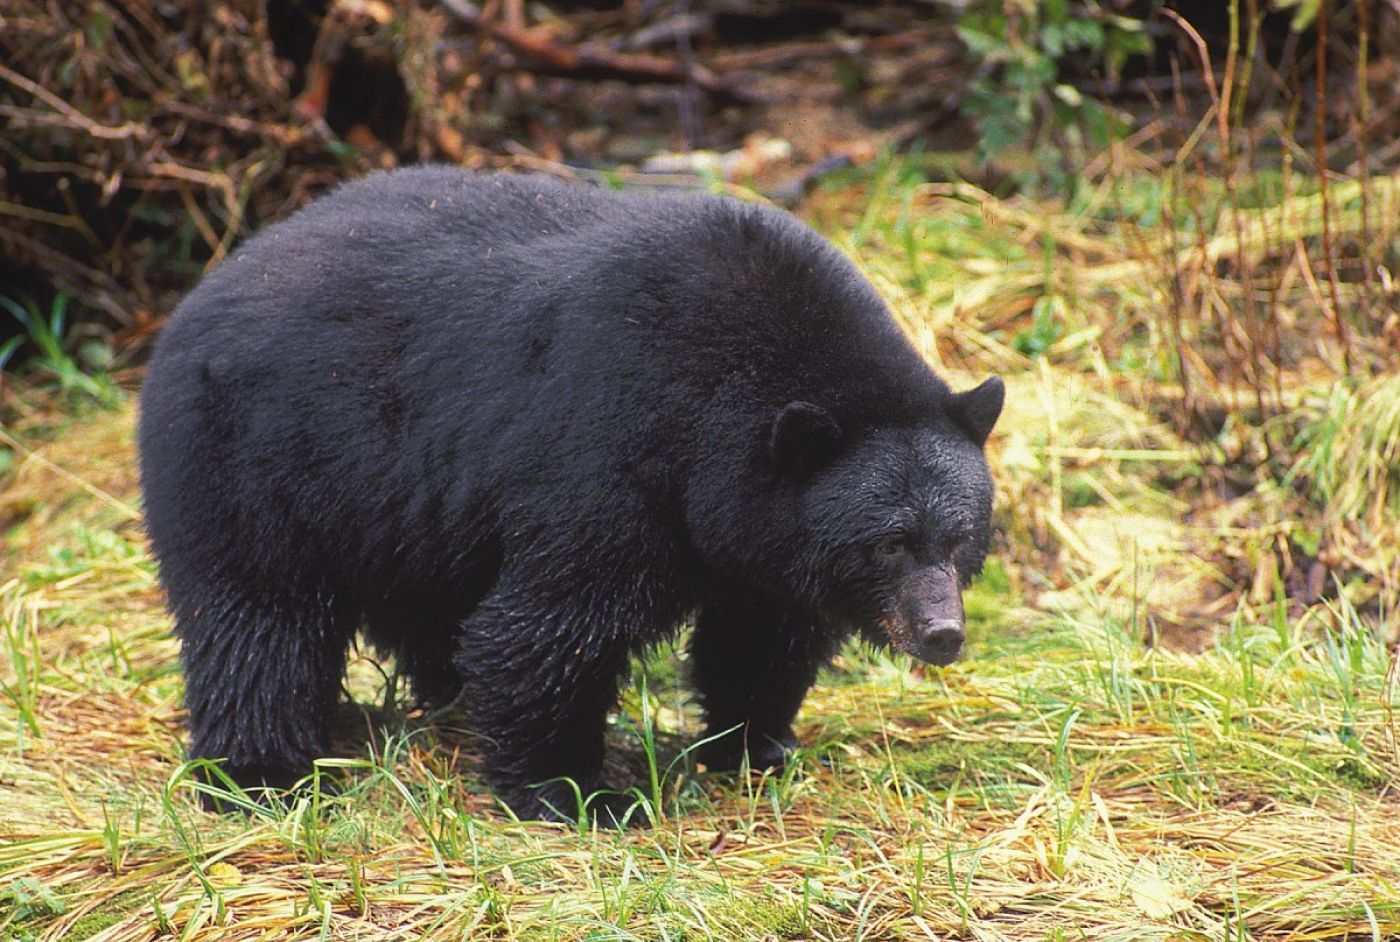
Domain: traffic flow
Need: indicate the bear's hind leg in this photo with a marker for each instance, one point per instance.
(423, 642)
(262, 676)
(752, 665)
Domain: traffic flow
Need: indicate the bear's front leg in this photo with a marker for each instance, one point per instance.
(538, 686)
(752, 664)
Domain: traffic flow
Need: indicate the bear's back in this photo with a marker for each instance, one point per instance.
(417, 344)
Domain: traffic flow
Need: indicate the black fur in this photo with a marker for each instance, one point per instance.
(519, 430)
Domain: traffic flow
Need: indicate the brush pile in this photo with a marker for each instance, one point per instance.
(143, 138)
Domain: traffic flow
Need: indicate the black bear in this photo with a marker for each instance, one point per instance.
(517, 430)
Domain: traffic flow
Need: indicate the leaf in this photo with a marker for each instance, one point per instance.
(8, 348)
(1084, 34)
(1159, 899)
(983, 44)
(225, 874)
(1304, 12)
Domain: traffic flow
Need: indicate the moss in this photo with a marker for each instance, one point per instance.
(110, 913)
(1352, 771)
(991, 770)
(756, 918)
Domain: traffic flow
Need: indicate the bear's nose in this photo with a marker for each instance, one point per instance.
(940, 640)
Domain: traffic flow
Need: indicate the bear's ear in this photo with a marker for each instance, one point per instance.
(977, 410)
(803, 436)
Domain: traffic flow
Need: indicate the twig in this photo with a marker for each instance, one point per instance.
(1320, 120)
(285, 135)
(1203, 50)
(102, 289)
(104, 131)
(1361, 119)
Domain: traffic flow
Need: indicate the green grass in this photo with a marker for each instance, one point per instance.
(1158, 733)
(1028, 788)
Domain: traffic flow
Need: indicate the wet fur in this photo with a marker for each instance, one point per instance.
(519, 430)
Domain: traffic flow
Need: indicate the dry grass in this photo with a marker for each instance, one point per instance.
(1160, 733)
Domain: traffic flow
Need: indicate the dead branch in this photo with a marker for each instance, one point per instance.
(593, 62)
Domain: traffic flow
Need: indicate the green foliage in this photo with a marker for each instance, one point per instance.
(90, 549)
(1304, 12)
(1347, 451)
(31, 899)
(1077, 774)
(1044, 330)
(52, 343)
(1023, 98)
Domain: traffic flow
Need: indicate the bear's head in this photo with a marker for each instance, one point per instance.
(888, 524)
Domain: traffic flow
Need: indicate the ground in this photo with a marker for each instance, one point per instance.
(1174, 721)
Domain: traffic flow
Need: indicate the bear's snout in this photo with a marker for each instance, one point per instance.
(935, 615)
(940, 641)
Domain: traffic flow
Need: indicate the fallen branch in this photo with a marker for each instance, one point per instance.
(769, 57)
(592, 62)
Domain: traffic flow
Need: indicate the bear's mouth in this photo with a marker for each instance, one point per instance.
(939, 647)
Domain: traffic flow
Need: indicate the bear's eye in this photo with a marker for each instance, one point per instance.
(892, 548)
